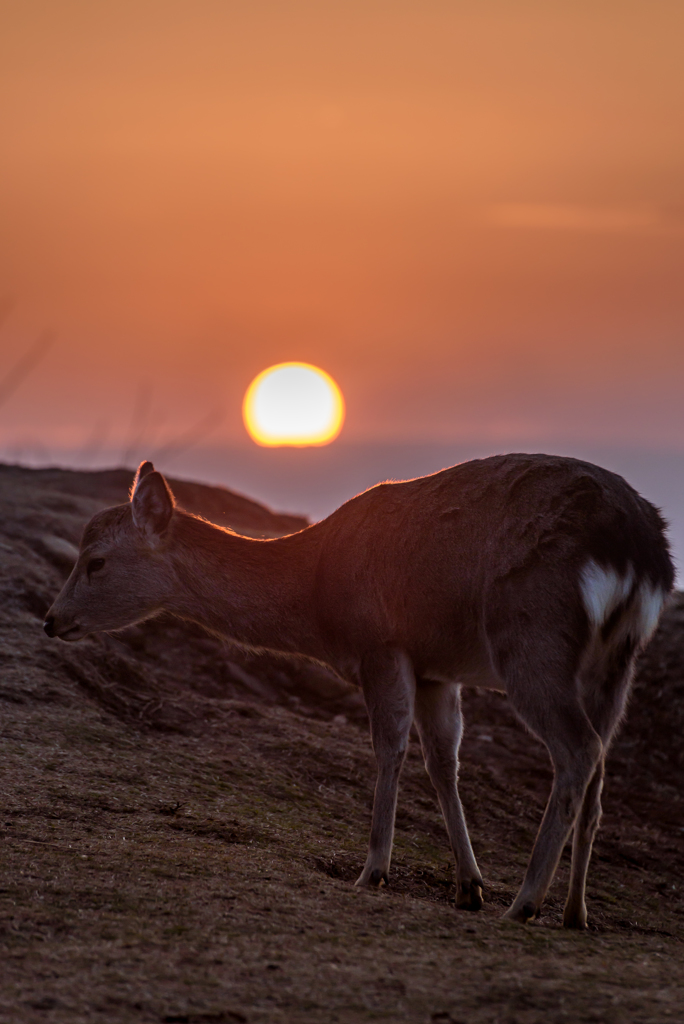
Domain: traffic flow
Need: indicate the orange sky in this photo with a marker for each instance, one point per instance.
(470, 213)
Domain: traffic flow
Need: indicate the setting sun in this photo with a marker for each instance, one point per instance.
(293, 404)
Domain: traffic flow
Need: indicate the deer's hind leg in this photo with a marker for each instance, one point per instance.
(576, 752)
(606, 686)
(439, 721)
(539, 665)
(389, 687)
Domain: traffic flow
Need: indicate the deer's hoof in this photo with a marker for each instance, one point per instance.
(526, 912)
(373, 879)
(575, 919)
(469, 896)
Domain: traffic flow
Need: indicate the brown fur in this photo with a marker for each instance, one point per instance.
(532, 574)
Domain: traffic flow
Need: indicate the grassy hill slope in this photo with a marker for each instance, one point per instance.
(181, 826)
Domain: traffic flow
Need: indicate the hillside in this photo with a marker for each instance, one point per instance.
(181, 825)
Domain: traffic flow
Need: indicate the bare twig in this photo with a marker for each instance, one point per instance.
(140, 419)
(190, 437)
(95, 442)
(25, 364)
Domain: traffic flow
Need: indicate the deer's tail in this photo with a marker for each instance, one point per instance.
(623, 612)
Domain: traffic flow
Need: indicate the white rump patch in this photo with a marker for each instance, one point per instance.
(649, 605)
(603, 590)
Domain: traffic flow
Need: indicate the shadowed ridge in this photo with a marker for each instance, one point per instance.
(216, 503)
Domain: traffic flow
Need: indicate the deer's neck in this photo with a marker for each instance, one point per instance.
(259, 593)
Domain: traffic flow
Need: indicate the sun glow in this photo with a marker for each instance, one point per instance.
(293, 404)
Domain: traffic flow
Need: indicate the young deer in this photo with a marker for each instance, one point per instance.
(532, 574)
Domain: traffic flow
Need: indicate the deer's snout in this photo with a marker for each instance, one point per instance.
(64, 629)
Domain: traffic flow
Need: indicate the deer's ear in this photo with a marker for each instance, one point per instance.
(152, 502)
(143, 469)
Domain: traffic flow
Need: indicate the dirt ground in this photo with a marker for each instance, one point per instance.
(181, 827)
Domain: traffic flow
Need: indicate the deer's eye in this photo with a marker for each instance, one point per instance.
(94, 564)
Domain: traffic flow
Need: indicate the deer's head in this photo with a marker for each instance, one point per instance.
(122, 574)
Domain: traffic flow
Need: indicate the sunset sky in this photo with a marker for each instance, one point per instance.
(469, 213)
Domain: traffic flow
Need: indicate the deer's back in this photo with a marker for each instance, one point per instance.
(425, 563)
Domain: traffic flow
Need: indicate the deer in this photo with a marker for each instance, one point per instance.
(535, 575)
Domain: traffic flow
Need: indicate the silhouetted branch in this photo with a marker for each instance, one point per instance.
(188, 438)
(140, 419)
(95, 442)
(25, 364)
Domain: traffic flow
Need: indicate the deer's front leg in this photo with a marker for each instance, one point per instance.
(438, 717)
(389, 688)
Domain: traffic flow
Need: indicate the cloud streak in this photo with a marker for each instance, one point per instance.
(583, 218)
